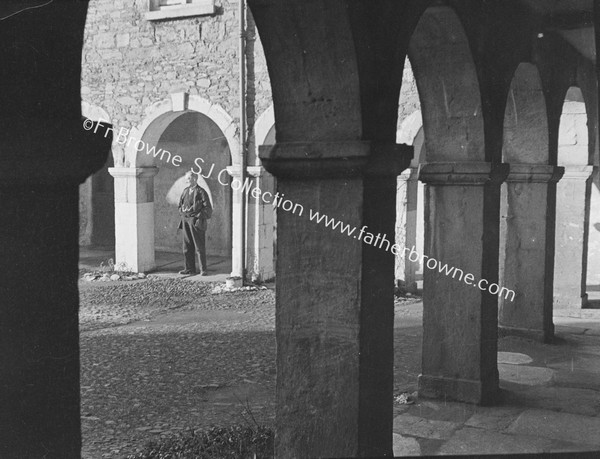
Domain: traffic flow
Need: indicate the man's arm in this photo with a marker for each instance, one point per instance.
(200, 199)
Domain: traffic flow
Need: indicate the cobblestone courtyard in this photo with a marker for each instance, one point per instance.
(163, 355)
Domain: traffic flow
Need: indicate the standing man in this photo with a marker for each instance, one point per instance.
(195, 209)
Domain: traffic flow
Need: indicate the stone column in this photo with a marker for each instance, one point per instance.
(572, 209)
(459, 318)
(406, 226)
(334, 321)
(45, 154)
(527, 255)
(134, 217)
(260, 227)
(39, 330)
(238, 206)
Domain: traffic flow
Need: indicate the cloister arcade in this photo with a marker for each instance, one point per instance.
(492, 78)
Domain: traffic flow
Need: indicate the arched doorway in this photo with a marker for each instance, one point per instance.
(191, 135)
(181, 133)
(577, 244)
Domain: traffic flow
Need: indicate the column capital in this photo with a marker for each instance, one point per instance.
(138, 172)
(255, 171)
(534, 173)
(57, 155)
(578, 172)
(313, 160)
(234, 171)
(462, 173)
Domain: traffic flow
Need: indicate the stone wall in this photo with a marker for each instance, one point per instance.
(130, 63)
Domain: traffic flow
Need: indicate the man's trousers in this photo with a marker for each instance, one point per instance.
(193, 242)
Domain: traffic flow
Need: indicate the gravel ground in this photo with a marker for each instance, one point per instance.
(164, 355)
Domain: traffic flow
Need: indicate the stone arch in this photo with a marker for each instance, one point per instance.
(203, 137)
(96, 202)
(264, 126)
(410, 203)
(160, 114)
(527, 210)
(573, 134)
(526, 121)
(577, 199)
(448, 85)
(94, 112)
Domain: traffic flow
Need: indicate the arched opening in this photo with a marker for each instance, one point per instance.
(577, 270)
(179, 134)
(190, 135)
(96, 196)
(527, 211)
(410, 209)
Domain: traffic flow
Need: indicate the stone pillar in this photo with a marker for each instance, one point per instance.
(259, 227)
(572, 208)
(45, 154)
(134, 217)
(238, 206)
(334, 321)
(459, 319)
(39, 327)
(406, 226)
(527, 254)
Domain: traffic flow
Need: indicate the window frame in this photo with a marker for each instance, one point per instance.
(185, 8)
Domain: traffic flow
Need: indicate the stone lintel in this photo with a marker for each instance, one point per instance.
(314, 160)
(578, 172)
(535, 173)
(463, 173)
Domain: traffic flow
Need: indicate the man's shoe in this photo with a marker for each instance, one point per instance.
(187, 271)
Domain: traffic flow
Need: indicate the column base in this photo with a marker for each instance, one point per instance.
(542, 336)
(460, 390)
(573, 303)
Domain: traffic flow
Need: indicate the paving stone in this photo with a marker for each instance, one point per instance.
(493, 418)
(577, 379)
(560, 426)
(569, 329)
(476, 441)
(442, 411)
(578, 363)
(416, 426)
(521, 374)
(514, 358)
(405, 446)
(568, 400)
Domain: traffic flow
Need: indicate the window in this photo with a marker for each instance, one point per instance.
(170, 9)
